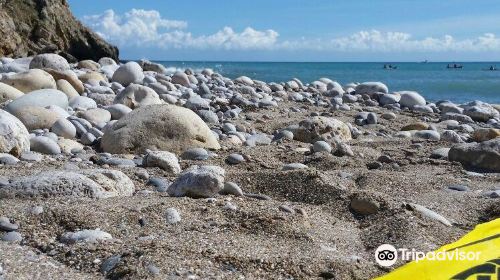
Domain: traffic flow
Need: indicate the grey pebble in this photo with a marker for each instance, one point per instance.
(229, 206)
(257, 196)
(374, 165)
(286, 208)
(8, 159)
(110, 263)
(231, 188)
(12, 236)
(195, 154)
(160, 184)
(294, 166)
(153, 269)
(36, 210)
(6, 225)
(492, 194)
(460, 188)
(321, 146)
(235, 159)
(172, 216)
(4, 181)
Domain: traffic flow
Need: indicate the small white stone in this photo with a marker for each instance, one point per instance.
(172, 216)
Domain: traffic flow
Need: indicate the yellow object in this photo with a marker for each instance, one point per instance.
(484, 241)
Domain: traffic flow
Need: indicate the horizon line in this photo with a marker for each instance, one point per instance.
(346, 61)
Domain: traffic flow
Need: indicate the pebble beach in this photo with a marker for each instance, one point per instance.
(127, 171)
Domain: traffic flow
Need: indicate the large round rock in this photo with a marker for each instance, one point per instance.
(30, 80)
(371, 87)
(9, 93)
(180, 78)
(39, 98)
(135, 96)
(49, 60)
(321, 128)
(14, 137)
(410, 99)
(158, 127)
(128, 73)
(36, 117)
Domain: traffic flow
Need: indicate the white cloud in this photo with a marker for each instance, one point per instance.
(135, 26)
(148, 28)
(377, 41)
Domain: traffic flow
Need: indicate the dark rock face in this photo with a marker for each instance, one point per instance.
(29, 27)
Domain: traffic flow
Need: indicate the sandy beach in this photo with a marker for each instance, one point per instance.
(114, 169)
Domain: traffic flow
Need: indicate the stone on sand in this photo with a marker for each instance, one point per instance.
(162, 159)
(321, 128)
(158, 127)
(484, 155)
(93, 183)
(14, 137)
(410, 99)
(198, 181)
(91, 236)
(44, 145)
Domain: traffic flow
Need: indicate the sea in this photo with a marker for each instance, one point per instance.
(474, 81)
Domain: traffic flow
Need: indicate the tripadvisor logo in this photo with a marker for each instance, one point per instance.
(386, 255)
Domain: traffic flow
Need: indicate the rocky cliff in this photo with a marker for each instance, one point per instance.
(29, 27)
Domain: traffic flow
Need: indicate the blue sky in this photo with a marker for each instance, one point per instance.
(298, 30)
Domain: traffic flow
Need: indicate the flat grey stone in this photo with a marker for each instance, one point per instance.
(232, 189)
(93, 183)
(162, 159)
(91, 236)
(460, 188)
(8, 159)
(110, 263)
(160, 184)
(294, 166)
(44, 145)
(198, 181)
(6, 225)
(235, 159)
(195, 154)
(258, 139)
(31, 156)
(12, 236)
(441, 153)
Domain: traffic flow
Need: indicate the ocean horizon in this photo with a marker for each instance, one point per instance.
(432, 79)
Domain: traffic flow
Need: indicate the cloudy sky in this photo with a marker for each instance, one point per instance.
(298, 30)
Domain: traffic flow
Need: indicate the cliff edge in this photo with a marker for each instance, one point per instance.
(29, 27)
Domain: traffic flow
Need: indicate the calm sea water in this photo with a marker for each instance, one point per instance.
(432, 80)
